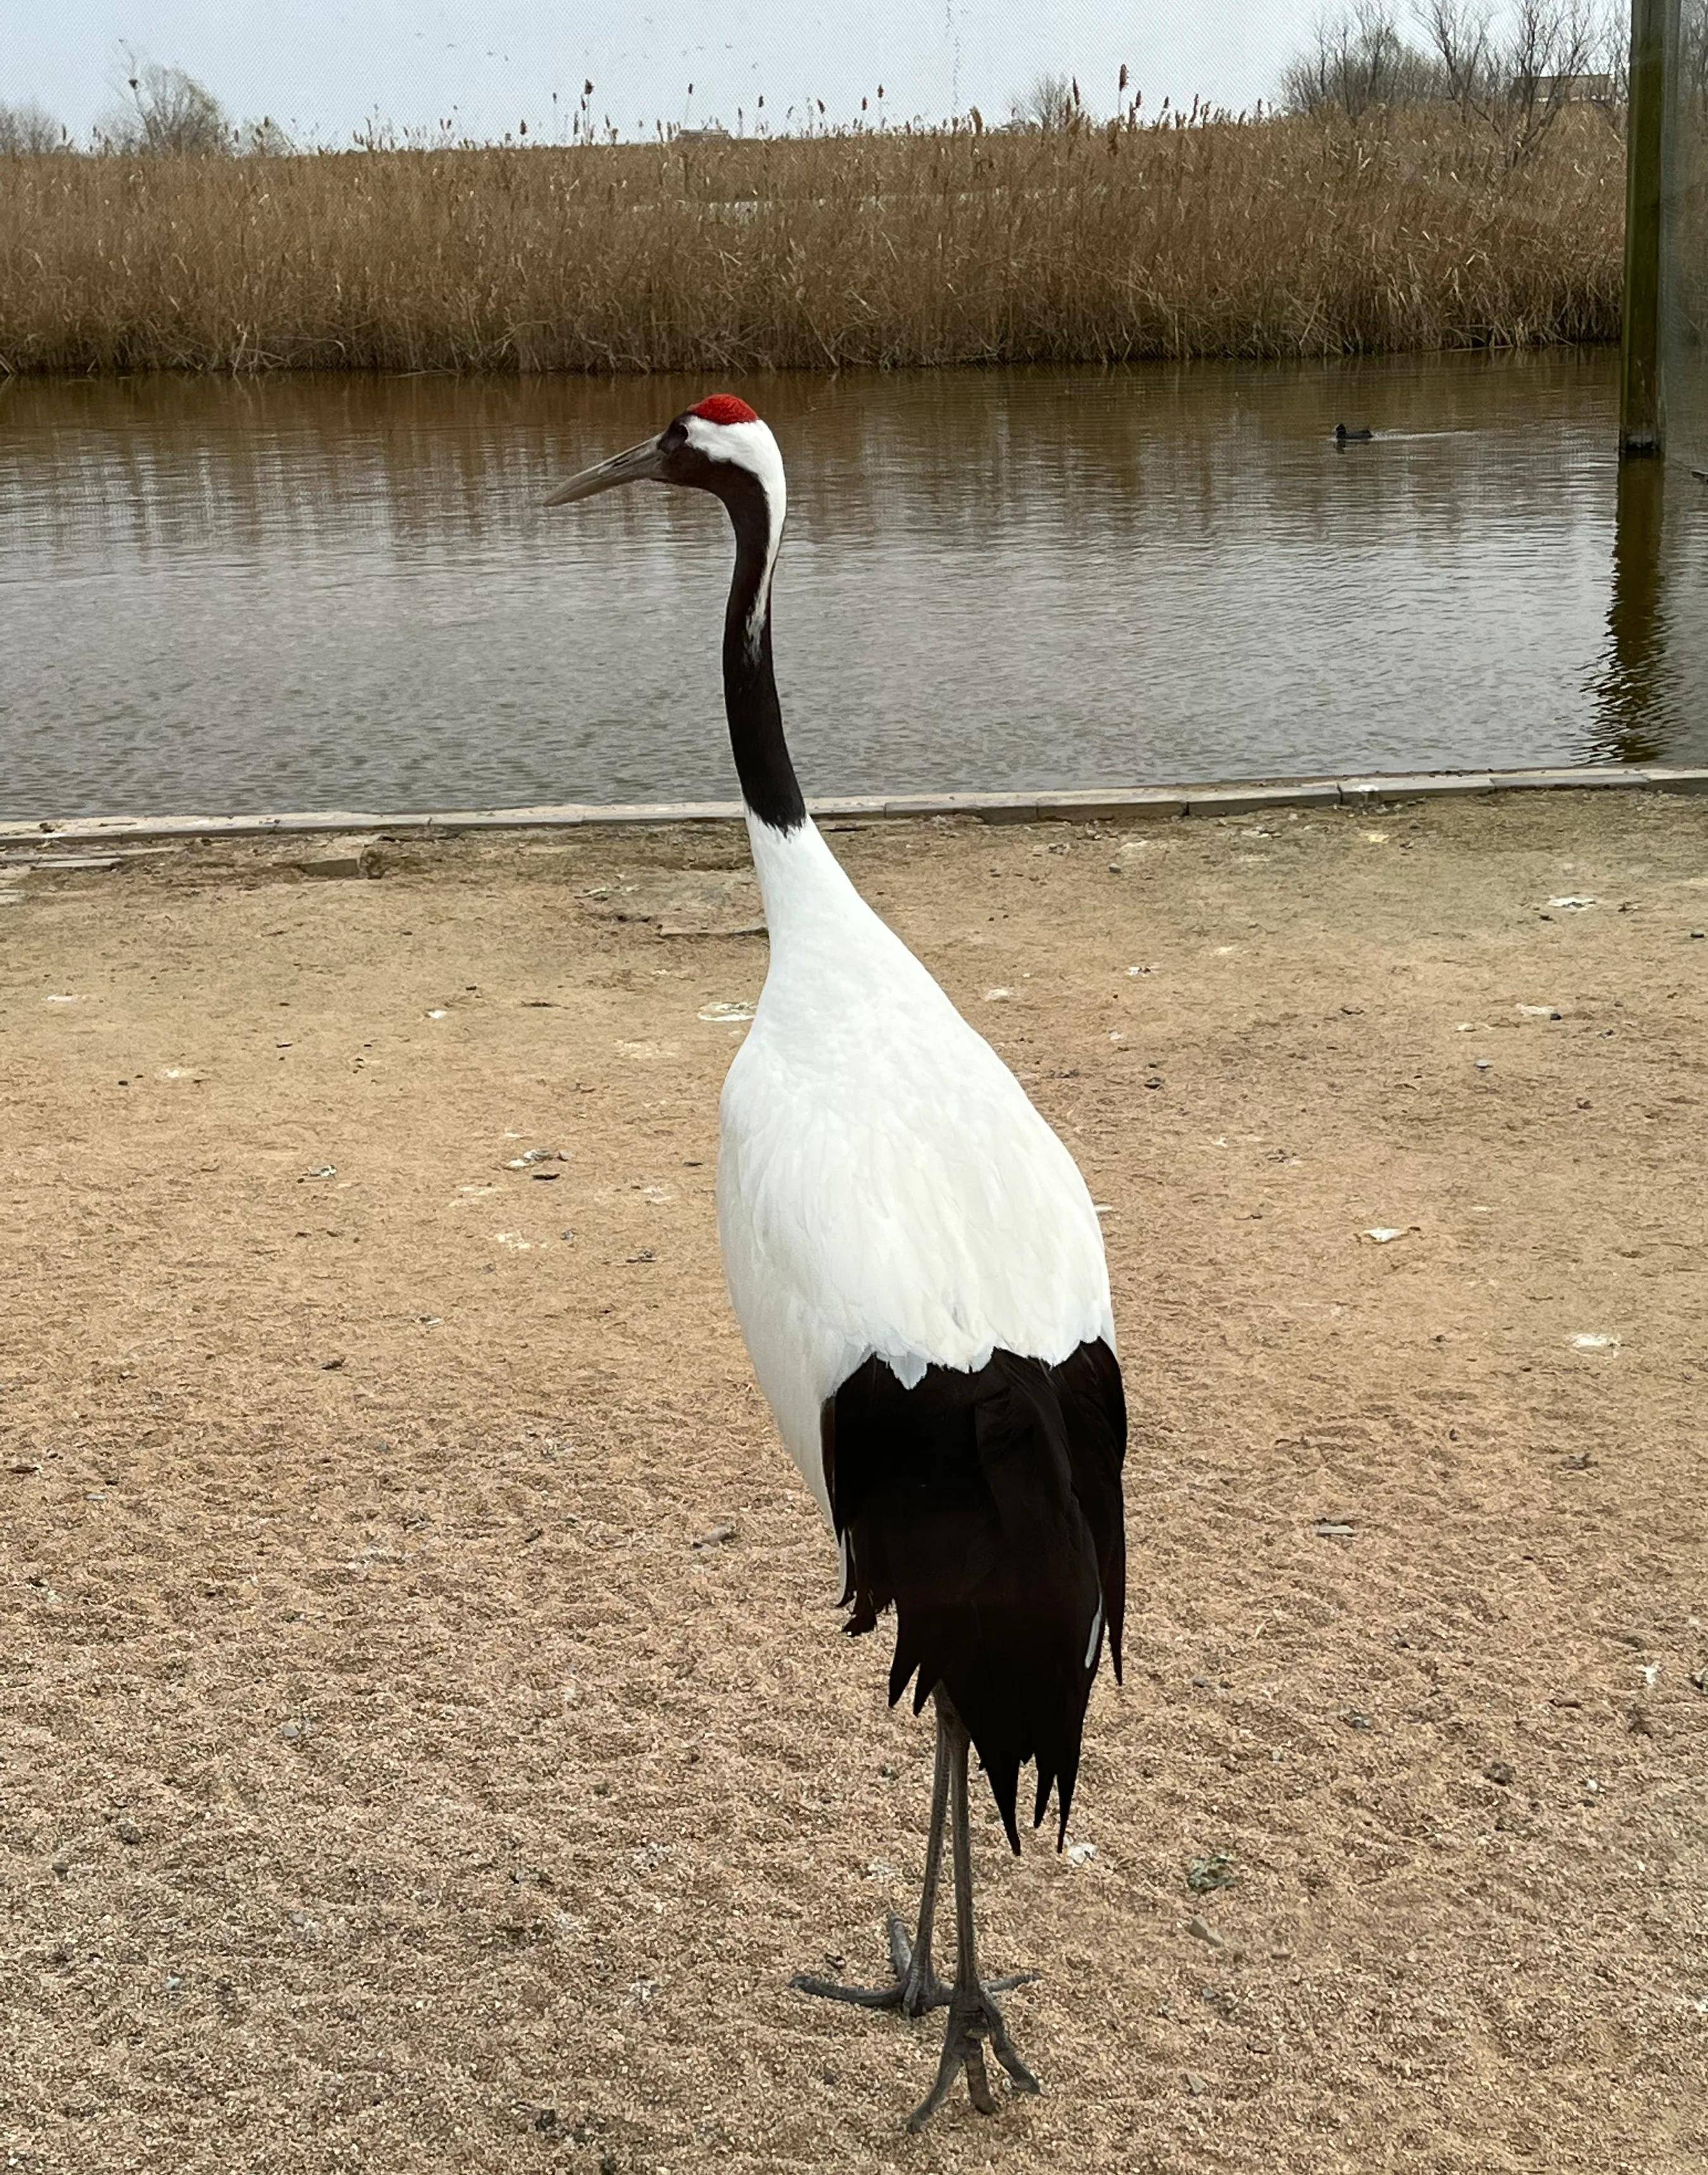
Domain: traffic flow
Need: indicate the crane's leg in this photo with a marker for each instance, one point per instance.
(917, 1986)
(973, 2016)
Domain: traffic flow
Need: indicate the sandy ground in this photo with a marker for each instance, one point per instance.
(396, 1776)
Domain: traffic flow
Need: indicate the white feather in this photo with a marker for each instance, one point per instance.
(750, 445)
(884, 1184)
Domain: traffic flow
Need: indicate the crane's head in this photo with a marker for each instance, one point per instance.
(719, 446)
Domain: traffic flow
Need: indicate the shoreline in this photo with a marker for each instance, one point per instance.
(1091, 804)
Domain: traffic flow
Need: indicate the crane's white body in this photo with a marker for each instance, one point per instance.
(903, 1235)
(884, 1184)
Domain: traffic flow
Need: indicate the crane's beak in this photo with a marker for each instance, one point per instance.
(639, 464)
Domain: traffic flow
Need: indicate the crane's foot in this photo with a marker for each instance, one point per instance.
(973, 2018)
(917, 1989)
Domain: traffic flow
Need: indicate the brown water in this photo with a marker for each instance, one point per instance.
(314, 592)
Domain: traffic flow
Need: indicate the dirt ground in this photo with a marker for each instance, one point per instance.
(427, 1742)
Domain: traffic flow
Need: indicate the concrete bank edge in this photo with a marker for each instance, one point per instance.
(1110, 802)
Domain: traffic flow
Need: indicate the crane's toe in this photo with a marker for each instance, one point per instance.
(973, 2018)
(916, 1990)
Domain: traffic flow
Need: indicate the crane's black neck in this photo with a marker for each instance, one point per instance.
(768, 784)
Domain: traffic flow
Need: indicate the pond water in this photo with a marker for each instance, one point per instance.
(302, 593)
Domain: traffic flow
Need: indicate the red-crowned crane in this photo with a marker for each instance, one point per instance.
(919, 1276)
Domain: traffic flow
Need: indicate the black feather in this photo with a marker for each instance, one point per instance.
(986, 1509)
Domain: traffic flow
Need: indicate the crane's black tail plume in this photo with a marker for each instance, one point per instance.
(987, 1509)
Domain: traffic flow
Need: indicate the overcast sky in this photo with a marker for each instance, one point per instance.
(326, 64)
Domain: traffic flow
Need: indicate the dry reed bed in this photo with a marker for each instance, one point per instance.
(1286, 238)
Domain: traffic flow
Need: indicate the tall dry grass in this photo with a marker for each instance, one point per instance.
(1274, 238)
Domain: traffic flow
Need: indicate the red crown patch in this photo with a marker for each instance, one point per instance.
(725, 408)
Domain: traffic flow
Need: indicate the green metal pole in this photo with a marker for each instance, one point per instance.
(1653, 34)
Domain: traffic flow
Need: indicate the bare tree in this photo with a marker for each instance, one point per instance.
(28, 130)
(1052, 105)
(1358, 61)
(1555, 53)
(1514, 69)
(1460, 33)
(1546, 60)
(167, 110)
(1611, 62)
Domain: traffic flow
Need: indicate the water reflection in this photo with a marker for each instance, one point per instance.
(1654, 651)
(312, 592)
(1629, 688)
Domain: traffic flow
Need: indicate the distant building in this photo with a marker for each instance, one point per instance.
(1565, 90)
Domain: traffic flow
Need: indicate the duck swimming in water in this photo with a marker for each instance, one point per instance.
(1342, 437)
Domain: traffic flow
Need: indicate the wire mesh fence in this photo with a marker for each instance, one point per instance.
(1684, 242)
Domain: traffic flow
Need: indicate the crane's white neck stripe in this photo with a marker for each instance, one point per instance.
(750, 446)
